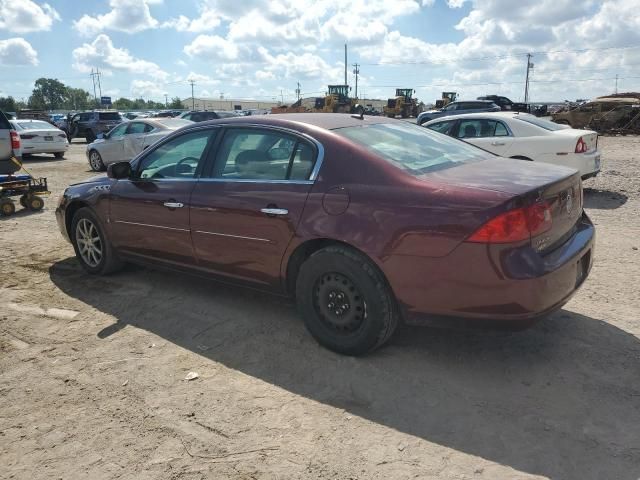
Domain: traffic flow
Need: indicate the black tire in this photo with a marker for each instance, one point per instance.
(34, 203)
(371, 314)
(23, 201)
(7, 208)
(59, 155)
(26, 155)
(95, 161)
(89, 137)
(109, 261)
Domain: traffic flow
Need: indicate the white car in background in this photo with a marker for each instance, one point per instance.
(37, 136)
(525, 137)
(128, 139)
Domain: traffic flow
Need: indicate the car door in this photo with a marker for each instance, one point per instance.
(149, 213)
(246, 212)
(489, 134)
(6, 150)
(112, 149)
(134, 138)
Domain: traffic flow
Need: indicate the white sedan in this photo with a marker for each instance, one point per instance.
(128, 139)
(525, 137)
(38, 136)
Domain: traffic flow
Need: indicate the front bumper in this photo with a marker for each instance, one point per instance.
(500, 283)
(61, 217)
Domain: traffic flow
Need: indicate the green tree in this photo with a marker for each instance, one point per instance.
(48, 93)
(123, 104)
(176, 103)
(77, 99)
(7, 104)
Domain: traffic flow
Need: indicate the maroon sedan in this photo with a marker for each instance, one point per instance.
(365, 221)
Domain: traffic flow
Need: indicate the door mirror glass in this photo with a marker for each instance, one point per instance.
(119, 170)
(102, 135)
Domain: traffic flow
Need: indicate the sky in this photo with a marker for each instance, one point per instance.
(261, 49)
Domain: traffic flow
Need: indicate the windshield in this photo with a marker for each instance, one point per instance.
(414, 149)
(539, 122)
(36, 125)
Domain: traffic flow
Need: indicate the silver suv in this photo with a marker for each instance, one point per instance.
(9, 146)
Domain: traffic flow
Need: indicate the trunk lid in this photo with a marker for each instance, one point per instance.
(559, 187)
(588, 137)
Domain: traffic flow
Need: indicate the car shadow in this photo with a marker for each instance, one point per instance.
(561, 399)
(21, 212)
(603, 199)
(42, 157)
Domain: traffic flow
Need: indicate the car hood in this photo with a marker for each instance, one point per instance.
(96, 142)
(97, 179)
(506, 175)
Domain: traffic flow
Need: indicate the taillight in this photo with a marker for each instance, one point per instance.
(515, 225)
(581, 146)
(15, 140)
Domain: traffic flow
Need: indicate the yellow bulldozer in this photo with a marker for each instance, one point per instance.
(447, 98)
(336, 101)
(403, 105)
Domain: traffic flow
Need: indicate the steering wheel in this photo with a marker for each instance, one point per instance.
(184, 161)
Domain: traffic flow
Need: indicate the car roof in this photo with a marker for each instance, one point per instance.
(475, 101)
(493, 115)
(326, 121)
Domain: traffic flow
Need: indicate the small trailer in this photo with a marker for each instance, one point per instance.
(29, 189)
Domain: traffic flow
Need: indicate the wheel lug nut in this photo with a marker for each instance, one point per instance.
(331, 305)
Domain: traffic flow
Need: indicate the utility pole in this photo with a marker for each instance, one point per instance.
(345, 64)
(99, 86)
(166, 100)
(281, 97)
(298, 91)
(356, 72)
(526, 84)
(616, 83)
(193, 100)
(93, 79)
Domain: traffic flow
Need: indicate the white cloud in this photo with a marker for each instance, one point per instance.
(101, 53)
(17, 51)
(146, 89)
(128, 16)
(23, 16)
(212, 47)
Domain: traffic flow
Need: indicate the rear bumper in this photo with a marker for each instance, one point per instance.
(45, 147)
(588, 164)
(492, 283)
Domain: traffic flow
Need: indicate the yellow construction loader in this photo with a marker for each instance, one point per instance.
(403, 105)
(447, 98)
(336, 101)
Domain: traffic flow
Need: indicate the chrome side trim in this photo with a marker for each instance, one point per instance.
(153, 226)
(233, 236)
(246, 180)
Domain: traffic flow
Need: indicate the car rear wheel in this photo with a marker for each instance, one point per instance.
(95, 161)
(345, 301)
(92, 247)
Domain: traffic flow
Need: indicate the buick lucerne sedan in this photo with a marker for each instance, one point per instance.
(366, 222)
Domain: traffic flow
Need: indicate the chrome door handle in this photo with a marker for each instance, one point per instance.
(275, 211)
(173, 204)
(497, 143)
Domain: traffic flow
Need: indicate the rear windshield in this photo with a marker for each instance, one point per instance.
(539, 122)
(36, 125)
(110, 116)
(414, 149)
(226, 114)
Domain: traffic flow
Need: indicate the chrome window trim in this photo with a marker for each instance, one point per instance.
(190, 128)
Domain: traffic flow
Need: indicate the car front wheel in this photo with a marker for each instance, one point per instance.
(95, 161)
(92, 247)
(345, 301)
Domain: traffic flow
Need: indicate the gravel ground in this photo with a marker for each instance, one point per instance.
(92, 371)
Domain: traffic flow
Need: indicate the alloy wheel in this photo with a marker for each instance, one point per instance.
(89, 243)
(95, 161)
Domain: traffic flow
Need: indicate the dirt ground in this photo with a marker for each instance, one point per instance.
(92, 371)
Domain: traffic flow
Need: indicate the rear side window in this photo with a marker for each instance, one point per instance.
(414, 149)
(109, 116)
(4, 123)
(480, 128)
(254, 154)
(539, 122)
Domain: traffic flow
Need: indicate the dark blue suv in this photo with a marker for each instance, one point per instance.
(457, 108)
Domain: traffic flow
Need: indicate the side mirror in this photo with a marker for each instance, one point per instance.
(102, 135)
(119, 170)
